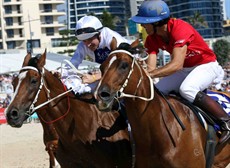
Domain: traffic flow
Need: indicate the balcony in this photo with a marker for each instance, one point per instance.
(14, 26)
(50, 25)
(16, 38)
(13, 14)
(52, 13)
(52, 2)
(11, 2)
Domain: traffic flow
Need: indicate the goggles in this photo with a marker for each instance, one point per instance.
(85, 30)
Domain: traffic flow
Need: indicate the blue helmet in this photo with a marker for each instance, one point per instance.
(152, 11)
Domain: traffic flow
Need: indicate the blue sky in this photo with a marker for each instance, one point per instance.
(227, 8)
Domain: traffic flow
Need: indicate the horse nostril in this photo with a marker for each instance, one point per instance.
(105, 95)
(14, 114)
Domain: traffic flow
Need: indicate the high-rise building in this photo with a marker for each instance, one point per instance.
(79, 8)
(211, 11)
(29, 24)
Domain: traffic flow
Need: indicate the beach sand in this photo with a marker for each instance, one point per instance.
(22, 147)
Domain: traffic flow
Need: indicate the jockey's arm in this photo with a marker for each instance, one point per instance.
(151, 62)
(176, 63)
(113, 44)
(90, 78)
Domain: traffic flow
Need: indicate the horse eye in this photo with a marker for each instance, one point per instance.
(33, 81)
(124, 65)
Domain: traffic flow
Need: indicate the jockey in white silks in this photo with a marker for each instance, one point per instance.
(96, 42)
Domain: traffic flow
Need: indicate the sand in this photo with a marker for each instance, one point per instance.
(23, 147)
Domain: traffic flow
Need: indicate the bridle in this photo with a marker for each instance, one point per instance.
(32, 107)
(121, 93)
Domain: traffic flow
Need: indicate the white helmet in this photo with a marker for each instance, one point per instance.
(87, 27)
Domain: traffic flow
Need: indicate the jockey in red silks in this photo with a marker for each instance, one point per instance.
(193, 66)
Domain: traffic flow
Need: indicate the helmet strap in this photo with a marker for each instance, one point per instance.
(154, 28)
(99, 29)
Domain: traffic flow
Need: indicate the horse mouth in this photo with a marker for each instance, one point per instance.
(105, 106)
(15, 123)
(105, 98)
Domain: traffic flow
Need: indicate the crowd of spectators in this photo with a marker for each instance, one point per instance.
(6, 90)
(226, 84)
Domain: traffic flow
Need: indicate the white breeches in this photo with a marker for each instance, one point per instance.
(189, 81)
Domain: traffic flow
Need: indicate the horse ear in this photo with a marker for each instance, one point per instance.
(135, 43)
(42, 60)
(26, 59)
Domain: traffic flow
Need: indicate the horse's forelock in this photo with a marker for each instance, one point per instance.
(133, 50)
(127, 47)
(33, 62)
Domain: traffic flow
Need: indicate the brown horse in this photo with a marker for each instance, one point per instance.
(78, 123)
(160, 141)
(50, 137)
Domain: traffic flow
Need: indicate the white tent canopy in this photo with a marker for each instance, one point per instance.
(13, 62)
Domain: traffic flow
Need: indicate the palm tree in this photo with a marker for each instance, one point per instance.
(109, 20)
(197, 20)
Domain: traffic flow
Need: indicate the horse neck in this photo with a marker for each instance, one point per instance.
(57, 112)
(53, 84)
(52, 88)
(81, 115)
(137, 108)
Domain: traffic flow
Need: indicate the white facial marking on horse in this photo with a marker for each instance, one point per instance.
(21, 76)
(99, 84)
(112, 60)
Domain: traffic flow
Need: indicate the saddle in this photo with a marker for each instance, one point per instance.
(220, 97)
(207, 121)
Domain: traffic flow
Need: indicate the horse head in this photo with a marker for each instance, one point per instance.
(26, 86)
(117, 70)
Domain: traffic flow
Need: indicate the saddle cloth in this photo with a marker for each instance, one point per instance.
(222, 98)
